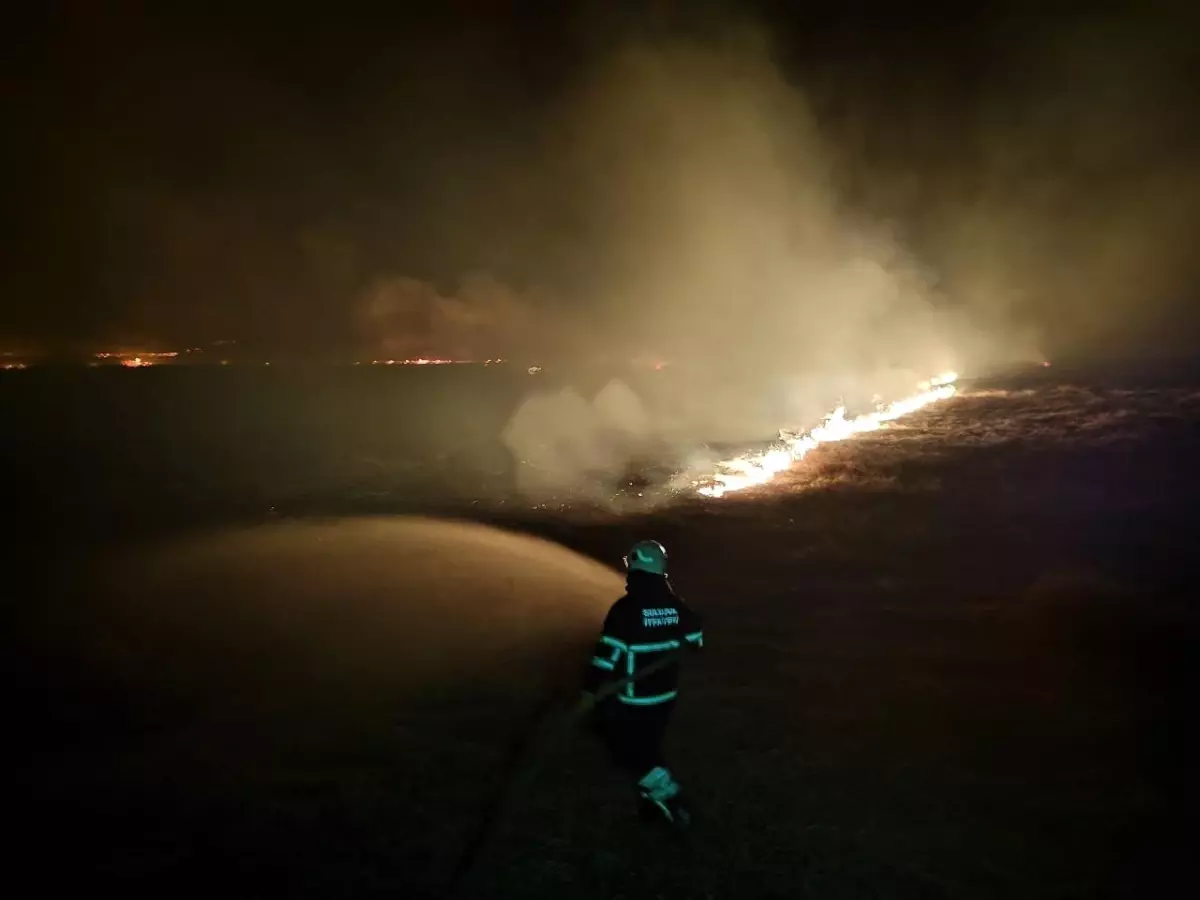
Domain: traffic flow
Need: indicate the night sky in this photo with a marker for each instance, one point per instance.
(403, 175)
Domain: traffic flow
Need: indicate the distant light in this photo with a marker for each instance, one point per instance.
(133, 359)
(1046, 364)
(420, 361)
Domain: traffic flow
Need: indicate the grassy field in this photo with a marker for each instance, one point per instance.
(954, 660)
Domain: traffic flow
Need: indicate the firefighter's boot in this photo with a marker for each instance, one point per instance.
(661, 798)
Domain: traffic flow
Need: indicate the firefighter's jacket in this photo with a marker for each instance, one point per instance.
(649, 621)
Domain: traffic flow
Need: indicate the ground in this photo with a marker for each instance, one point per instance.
(954, 659)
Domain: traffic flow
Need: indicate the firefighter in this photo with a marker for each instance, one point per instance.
(645, 633)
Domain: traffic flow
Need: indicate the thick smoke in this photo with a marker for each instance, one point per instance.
(484, 319)
(721, 245)
(713, 232)
(565, 443)
(720, 229)
(687, 200)
(736, 233)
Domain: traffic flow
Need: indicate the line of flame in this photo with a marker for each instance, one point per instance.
(753, 469)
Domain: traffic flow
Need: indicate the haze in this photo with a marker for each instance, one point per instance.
(777, 205)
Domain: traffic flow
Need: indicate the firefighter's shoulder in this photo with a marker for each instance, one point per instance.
(622, 617)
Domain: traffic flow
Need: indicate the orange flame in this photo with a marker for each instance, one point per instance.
(754, 469)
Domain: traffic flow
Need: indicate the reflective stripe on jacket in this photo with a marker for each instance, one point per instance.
(648, 622)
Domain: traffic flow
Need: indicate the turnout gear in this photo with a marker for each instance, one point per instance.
(649, 623)
(645, 633)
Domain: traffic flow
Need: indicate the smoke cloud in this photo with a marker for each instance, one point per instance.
(708, 227)
(720, 244)
(691, 198)
(483, 320)
(789, 213)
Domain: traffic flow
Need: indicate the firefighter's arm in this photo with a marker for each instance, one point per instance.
(608, 656)
(691, 625)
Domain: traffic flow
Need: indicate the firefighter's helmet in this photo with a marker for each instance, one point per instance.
(647, 556)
